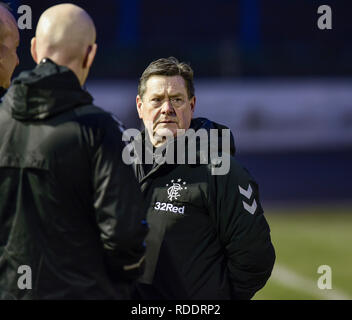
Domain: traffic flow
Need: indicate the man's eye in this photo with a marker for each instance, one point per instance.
(176, 100)
(156, 99)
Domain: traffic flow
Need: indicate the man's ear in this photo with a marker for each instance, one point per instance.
(34, 50)
(193, 103)
(90, 55)
(139, 104)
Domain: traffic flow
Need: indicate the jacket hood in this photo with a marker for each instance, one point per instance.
(47, 90)
(203, 123)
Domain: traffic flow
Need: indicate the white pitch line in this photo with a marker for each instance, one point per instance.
(292, 279)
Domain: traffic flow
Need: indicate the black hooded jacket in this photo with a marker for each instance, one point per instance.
(2, 92)
(70, 209)
(208, 236)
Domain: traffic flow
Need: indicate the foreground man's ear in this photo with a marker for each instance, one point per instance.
(90, 55)
(34, 50)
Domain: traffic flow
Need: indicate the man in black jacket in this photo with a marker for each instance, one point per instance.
(9, 41)
(208, 236)
(71, 218)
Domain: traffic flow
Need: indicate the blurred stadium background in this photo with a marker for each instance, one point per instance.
(283, 86)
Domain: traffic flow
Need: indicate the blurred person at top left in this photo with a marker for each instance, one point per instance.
(9, 41)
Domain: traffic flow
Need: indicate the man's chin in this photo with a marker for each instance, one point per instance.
(165, 132)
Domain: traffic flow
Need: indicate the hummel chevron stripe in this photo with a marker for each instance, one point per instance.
(251, 209)
(247, 193)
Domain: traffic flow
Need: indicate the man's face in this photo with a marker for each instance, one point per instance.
(165, 107)
(8, 55)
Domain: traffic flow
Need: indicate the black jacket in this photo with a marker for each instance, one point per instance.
(208, 241)
(2, 92)
(69, 206)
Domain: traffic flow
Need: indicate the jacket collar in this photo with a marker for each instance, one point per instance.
(47, 90)
(143, 145)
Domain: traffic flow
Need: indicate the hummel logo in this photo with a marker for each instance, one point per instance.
(248, 194)
(251, 209)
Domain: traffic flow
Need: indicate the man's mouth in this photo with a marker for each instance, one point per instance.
(167, 121)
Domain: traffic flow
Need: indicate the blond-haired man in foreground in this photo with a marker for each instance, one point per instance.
(70, 212)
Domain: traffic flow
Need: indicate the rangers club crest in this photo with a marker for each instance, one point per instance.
(174, 190)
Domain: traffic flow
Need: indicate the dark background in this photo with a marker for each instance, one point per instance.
(223, 38)
(228, 40)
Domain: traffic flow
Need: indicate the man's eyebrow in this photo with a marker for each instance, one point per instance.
(155, 94)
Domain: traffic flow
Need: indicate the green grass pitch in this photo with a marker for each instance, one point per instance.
(304, 239)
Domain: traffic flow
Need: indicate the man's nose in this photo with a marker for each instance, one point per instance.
(167, 107)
